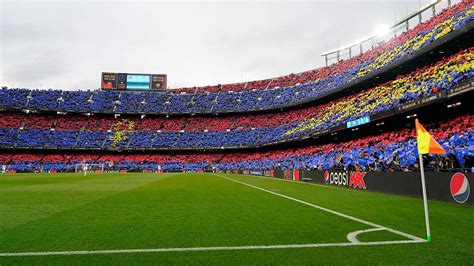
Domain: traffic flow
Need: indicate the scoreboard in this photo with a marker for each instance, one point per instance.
(127, 81)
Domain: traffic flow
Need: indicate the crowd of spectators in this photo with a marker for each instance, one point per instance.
(254, 95)
(155, 132)
(390, 151)
(443, 75)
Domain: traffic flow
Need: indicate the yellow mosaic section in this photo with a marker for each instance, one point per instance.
(120, 128)
(366, 102)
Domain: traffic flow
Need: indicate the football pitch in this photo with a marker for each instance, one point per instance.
(190, 218)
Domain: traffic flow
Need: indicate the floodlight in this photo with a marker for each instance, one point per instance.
(382, 30)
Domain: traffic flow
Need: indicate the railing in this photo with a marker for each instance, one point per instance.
(401, 25)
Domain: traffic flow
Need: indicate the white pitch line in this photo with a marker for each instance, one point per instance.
(352, 236)
(329, 210)
(304, 183)
(163, 250)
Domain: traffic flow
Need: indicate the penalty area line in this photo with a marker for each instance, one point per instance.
(412, 237)
(194, 249)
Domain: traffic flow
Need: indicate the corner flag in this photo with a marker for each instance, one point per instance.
(426, 144)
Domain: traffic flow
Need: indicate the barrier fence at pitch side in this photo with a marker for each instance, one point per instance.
(452, 187)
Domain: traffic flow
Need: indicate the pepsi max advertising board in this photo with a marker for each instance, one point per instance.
(452, 187)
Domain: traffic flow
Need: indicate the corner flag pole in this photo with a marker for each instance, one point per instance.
(425, 200)
(426, 144)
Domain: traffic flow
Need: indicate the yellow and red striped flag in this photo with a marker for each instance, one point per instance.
(426, 143)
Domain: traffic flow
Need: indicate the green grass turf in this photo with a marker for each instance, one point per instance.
(132, 211)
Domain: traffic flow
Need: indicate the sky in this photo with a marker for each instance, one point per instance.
(67, 44)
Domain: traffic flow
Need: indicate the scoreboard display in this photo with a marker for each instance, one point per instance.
(127, 81)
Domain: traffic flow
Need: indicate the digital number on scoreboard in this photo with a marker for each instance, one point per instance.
(127, 81)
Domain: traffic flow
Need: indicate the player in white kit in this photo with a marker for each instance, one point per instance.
(84, 168)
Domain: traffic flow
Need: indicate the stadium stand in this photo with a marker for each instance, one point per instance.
(156, 132)
(389, 151)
